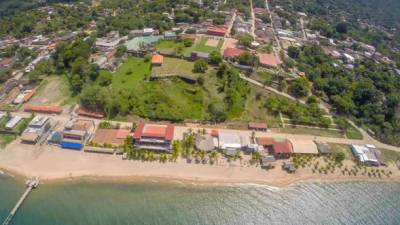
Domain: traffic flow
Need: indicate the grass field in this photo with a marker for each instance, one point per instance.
(311, 131)
(130, 74)
(390, 156)
(170, 99)
(201, 46)
(171, 47)
(176, 67)
(5, 139)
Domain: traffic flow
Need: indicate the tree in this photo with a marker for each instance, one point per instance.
(200, 66)
(342, 28)
(245, 40)
(248, 59)
(104, 79)
(293, 52)
(121, 50)
(339, 156)
(300, 87)
(217, 112)
(187, 42)
(215, 58)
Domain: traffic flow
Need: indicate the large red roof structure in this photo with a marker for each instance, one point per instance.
(155, 131)
(232, 52)
(216, 31)
(43, 109)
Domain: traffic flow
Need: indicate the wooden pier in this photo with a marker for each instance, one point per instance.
(30, 185)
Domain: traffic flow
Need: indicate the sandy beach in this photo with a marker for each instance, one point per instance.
(52, 163)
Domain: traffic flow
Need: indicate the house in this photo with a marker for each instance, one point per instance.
(257, 126)
(169, 35)
(148, 31)
(230, 53)
(364, 155)
(36, 129)
(216, 31)
(280, 148)
(135, 33)
(268, 60)
(109, 42)
(154, 136)
(157, 60)
(229, 141)
(205, 142)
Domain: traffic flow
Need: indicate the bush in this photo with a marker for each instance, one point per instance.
(200, 66)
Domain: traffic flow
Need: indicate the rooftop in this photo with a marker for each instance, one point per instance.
(232, 52)
(157, 59)
(155, 131)
(268, 59)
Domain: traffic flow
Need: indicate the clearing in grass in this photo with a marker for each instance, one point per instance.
(175, 67)
(208, 45)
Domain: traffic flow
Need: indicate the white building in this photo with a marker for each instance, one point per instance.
(229, 141)
(365, 155)
(13, 122)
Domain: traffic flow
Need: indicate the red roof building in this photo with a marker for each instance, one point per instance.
(268, 60)
(282, 149)
(93, 114)
(258, 126)
(230, 53)
(154, 136)
(43, 109)
(7, 62)
(216, 31)
(157, 60)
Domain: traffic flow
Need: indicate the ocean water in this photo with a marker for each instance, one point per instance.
(173, 203)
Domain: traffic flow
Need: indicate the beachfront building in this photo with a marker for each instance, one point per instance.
(365, 155)
(75, 133)
(279, 148)
(157, 137)
(38, 127)
(229, 143)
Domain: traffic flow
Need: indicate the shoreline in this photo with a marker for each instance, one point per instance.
(194, 181)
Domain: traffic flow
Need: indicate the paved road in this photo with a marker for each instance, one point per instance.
(272, 25)
(253, 21)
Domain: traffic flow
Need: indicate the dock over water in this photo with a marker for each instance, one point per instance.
(30, 185)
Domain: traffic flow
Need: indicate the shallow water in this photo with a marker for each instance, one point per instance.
(102, 202)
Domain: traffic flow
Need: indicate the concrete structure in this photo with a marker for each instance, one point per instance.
(206, 142)
(304, 146)
(365, 155)
(154, 136)
(75, 133)
(36, 129)
(229, 141)
(257, 126)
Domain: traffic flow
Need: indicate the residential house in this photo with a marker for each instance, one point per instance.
(268, 60)
(169, 35)
(231, 53)
(279, 148)
(157, 60)
(365, 155)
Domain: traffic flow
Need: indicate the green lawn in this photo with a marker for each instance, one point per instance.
(177, 67)
(5, 139)
(353, 133)
(311, 131)
(171, 47)
(131, 74)
(170, 99)
(202, 47)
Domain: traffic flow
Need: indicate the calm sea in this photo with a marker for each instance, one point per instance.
(164, 203)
